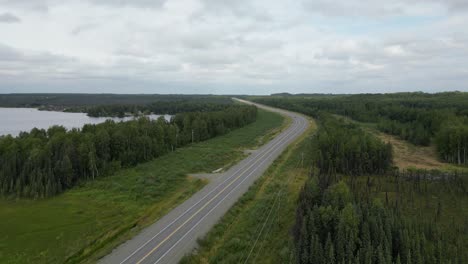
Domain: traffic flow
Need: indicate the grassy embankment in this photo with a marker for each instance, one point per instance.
(84, 223)
(257, 227)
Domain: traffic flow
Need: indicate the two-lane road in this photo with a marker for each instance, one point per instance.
(175, 235)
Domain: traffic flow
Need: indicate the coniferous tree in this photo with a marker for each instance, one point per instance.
(42, 163)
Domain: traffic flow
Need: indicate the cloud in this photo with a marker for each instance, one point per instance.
(36, 5)
(257, 46)
(83, 28)
(34, 64)
(382, 8)
(354, 8)
(132, 3)
(454, 5)
(8, 54)
(9, 18)
(45, 5)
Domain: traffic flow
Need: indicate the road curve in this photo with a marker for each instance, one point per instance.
(175, 234)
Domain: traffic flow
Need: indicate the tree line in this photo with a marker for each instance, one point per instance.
(346, 149)
(42, 163)
(419, 118)
(365, 213)
(79, 101)
(171, 107)
(332, 226)
(452, 143)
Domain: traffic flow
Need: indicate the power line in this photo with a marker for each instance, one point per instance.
(277, 198)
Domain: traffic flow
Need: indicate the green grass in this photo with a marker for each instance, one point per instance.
(231, 240)
(86, 222)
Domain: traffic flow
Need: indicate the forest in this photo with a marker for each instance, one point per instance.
(420, 118)
(170, 107)
(344, 148)
(81, 102)
(42, 163)
(371, 213)
(333, 225)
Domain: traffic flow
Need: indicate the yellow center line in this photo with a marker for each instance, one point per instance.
(203, 207)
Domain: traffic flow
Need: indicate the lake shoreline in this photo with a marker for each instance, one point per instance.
(14, 120)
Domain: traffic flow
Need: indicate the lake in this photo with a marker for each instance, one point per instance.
(15, 120)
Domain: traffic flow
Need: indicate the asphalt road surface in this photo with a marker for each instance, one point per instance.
(175, 234)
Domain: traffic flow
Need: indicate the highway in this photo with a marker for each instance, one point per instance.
(176, 234)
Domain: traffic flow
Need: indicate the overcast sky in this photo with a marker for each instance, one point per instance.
(233, 46)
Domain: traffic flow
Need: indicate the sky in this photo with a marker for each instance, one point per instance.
(233, 47)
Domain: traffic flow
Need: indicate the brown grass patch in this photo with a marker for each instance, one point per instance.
(407, 155)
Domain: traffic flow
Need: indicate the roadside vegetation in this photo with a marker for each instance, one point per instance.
(412, 212)
(422, 119)
(356, 205)
(85, 222)
(257, 228)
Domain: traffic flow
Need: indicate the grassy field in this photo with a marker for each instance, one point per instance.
(256, 229)
(84, 223)
(407, 155)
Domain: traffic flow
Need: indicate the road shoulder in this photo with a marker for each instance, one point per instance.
(239, 233)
